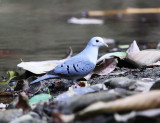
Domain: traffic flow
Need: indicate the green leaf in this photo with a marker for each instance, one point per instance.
(11, 75)
(40, 97)
(118, 54)
(125, 46)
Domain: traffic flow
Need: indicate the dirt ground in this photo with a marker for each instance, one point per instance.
(130, 81)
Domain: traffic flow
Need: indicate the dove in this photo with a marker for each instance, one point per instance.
(79, 65)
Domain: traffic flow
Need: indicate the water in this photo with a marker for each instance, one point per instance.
(38, 29)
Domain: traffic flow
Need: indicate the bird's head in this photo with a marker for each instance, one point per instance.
(97, 41)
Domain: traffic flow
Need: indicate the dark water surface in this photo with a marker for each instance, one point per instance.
(38, 29)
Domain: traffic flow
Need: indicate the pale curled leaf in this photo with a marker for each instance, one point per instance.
(143, 58)
(151, 113)
(133, 47)
(121, 55)
(40, 67)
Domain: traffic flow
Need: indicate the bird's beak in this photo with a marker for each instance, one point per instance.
(105, 44)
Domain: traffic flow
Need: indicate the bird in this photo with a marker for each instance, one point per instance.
(77, 66)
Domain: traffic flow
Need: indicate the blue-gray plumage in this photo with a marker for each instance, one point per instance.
(79, 65)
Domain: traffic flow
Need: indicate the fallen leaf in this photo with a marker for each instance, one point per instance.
(137, 102)
(118, 56)
(149, 113)
(6, 94)
(152, 113)
(133, 47)
(11, 75)
(155, 64)
(103, 67)
(124, 46)
(6, 97)
(124, 117)
(40, 67)
(121, 55)
(23, 102)
(40, 97)
(143, 58)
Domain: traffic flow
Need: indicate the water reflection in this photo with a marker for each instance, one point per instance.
(37, 29)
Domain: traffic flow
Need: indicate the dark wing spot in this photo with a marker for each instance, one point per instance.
(75, 68)
(68, 69)
(62, 65)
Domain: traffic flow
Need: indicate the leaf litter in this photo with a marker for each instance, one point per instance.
(114, 91)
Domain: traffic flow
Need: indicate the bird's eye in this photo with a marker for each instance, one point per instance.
(97, 40)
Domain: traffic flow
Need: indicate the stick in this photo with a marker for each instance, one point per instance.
(126, 11)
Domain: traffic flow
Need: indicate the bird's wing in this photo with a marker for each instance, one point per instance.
(75, 66)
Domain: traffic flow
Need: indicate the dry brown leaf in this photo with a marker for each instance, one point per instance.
(143, 58)
(23, 102)
(138, 102)
(103, 67)
(6, 97)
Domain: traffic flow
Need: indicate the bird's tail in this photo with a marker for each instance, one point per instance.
(43, 78)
